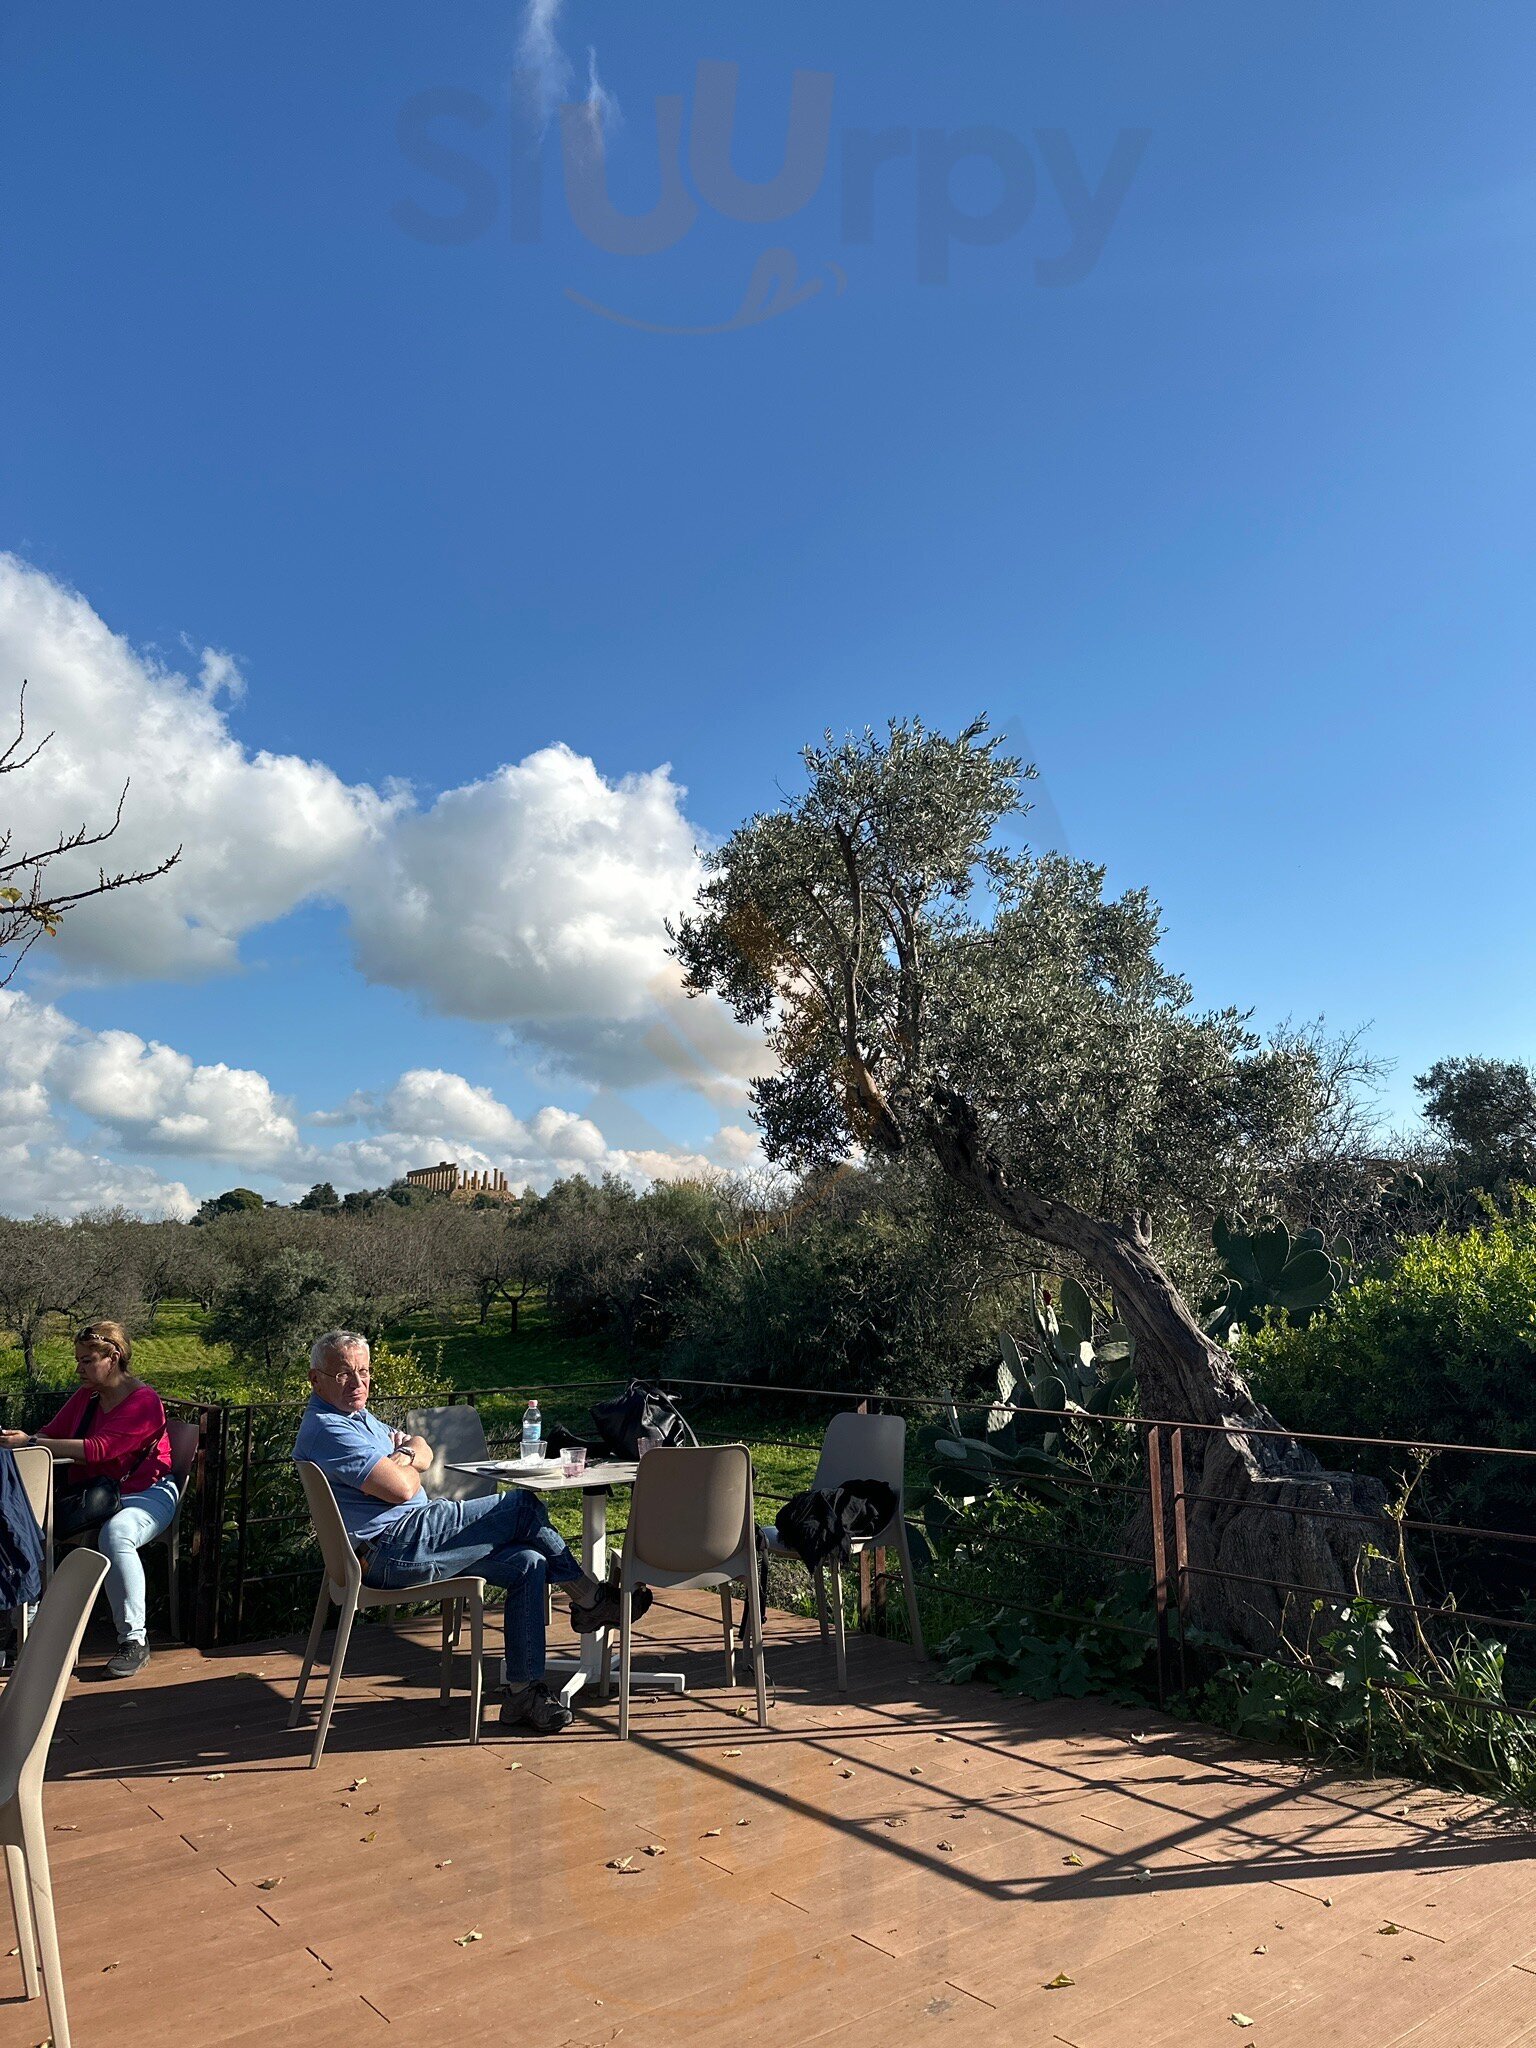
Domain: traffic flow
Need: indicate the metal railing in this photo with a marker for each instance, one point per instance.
(247, 1544)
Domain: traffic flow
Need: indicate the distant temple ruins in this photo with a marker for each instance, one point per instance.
(448, 1179)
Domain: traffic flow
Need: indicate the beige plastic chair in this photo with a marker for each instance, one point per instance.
(35, 1465)
(457, 1437)
(860, 1447)
(691, 1524)
(343, 1586)
(29, 1707)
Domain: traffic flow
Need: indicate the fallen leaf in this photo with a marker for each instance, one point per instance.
(1410, 1959)
(514, 1767)
(66, 1827)
(463, 1940)
(845, 1774)
(958, 1816)
(1059, 1982)
(947, 1847)
(107, 1967)
(370, 1811)
(1327, 1902)
(1141, 1874)
(444, 1865)
(1389, 1927)
(942, 1738)
(655, 1849)
(709, 1834)
(914, 1770)
(730, 1752)
(268, 1884)
(743, 1823)
(214, 1777)
(1239, 2019)
(624, 1863)
(371, 1836)
(1261, 1950)
(1074, 1858)
(357, 1784)
(1138, 1738)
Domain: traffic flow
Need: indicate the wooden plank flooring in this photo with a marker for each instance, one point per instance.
(909, 1862)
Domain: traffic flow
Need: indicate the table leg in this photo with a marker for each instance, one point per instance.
(587, 1668)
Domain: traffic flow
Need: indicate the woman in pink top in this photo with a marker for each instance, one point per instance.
(114, 1456)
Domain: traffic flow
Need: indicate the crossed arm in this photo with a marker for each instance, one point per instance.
(397, 1477)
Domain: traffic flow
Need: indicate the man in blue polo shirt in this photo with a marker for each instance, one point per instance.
(403, 1537)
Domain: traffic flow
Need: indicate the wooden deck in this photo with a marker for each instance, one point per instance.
(913, 1862)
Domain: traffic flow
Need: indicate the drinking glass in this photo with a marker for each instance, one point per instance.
(575, 1460)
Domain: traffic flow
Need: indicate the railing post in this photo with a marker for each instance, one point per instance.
(208, 1540)
(1154, 1449)
(872, 1584)
(1180, 1548)
(245, 1515)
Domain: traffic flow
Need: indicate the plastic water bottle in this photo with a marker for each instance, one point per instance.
(533, 1429)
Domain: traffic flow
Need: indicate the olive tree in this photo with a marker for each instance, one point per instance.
(927, 986)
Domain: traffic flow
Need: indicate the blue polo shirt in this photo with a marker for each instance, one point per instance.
(346, 1448)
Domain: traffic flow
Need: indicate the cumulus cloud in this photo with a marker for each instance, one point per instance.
(148, 1100)
(259, 833)
(533, 899)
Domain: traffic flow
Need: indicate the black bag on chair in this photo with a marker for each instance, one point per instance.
(639, 1413)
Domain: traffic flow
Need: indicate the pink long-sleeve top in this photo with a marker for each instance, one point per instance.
(127, 1443)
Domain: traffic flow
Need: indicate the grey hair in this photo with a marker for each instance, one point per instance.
(335, 1340)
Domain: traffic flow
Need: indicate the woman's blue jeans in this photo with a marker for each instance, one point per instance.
(141, 1517)
(507, 1540)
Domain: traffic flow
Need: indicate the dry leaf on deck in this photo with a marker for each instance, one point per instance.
(655, 1849)
(730, 1752)
(214, 1777)
(66, 1827)
(914, 1770)
(845, 1774)
(1141, 1874)
(1389, 1927)
(1059, 1982)
(1261, 1950)
(514, 1767)
(708, 1834)
(268, 1884)
(623, 1863)
(743, 1823)
(371, 1836)
(947, 1847)
(357, 1784)
(370, 1811)
(1239, 2019)
(463, 1940)
(1073, 1858)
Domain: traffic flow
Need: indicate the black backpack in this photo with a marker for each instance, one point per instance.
(640, 1412)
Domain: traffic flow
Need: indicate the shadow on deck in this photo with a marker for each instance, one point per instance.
(907, 1861)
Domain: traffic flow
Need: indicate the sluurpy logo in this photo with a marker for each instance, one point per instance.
(945, 189)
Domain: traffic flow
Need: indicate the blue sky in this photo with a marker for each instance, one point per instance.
(1234, 530)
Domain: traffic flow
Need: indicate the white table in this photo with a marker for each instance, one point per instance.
(594, 1484)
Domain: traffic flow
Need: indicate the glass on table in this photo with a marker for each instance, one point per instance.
(575, 1460)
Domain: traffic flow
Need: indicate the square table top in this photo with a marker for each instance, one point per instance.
(597, 1476)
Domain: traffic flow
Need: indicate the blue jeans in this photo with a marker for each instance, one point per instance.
(119, 1539)
(507, 1540)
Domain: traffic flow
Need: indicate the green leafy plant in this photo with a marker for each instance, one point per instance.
(1269, 1269)
(1035, 1435)
(1057, 1654)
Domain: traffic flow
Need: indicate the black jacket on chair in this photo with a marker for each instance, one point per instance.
(817, 1526)
(21, 1540)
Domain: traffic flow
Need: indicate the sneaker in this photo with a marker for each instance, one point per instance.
(603, 1612)
(535, 1706)
(129, 1661)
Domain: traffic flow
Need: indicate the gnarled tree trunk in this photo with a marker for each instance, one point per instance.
(1264, 1517)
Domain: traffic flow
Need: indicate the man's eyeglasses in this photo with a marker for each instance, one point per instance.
(349, 1376)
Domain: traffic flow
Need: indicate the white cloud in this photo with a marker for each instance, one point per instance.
(259, 833)
(542, 58)
(148, 1100)
(533, 899)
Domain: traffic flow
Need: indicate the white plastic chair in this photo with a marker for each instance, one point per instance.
(342, 1585)
(29, 1707)
(457, 1437)
(691, 1524)
(860, 1447)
